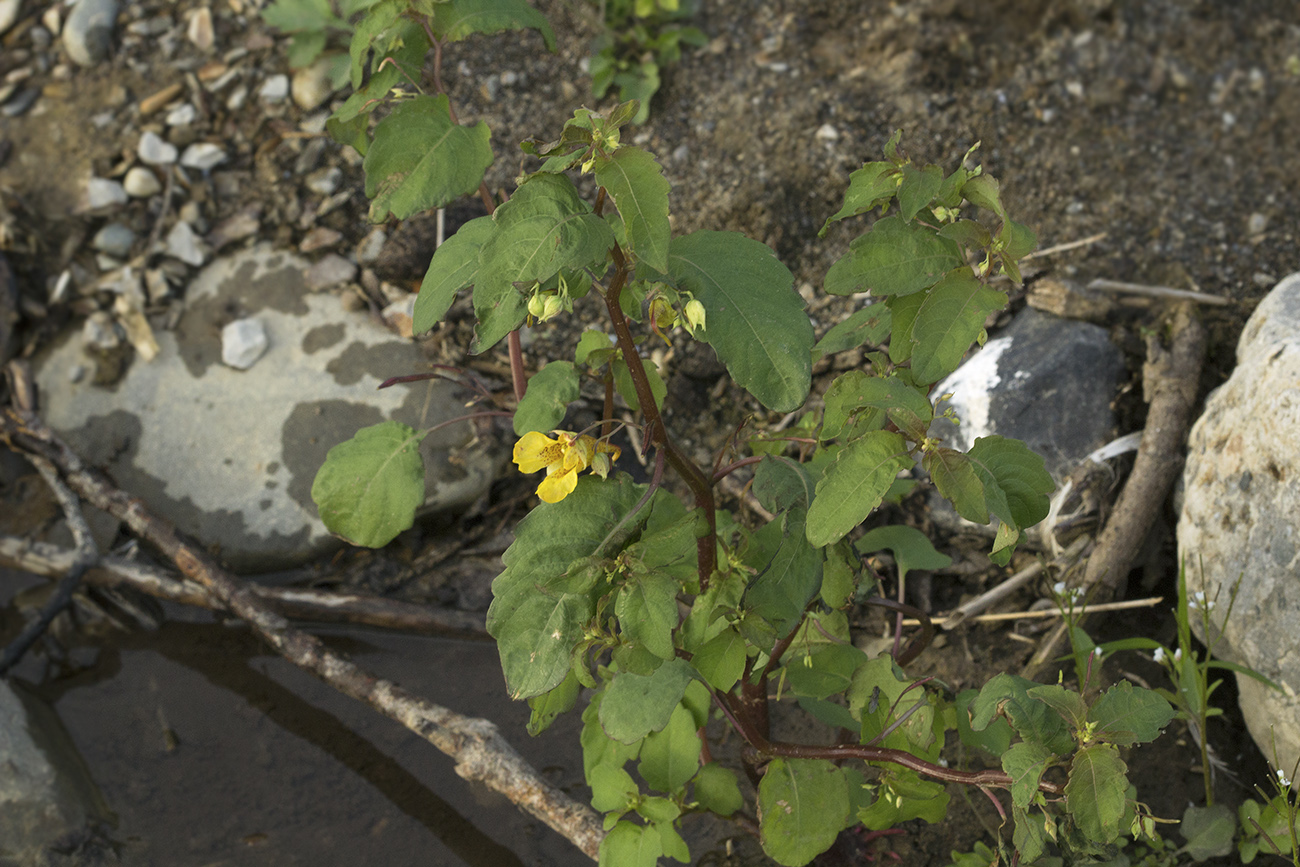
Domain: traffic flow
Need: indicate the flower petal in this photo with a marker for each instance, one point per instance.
(535, 451)
(557, 485)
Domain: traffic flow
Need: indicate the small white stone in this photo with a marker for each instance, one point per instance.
(203, 156)
(183, 244)
(237, 98)
(141, 183)
(52, 18)
(274, 89)
(242, 343)
(114, 239)
(154, 151)
(827, 132)
(312, 85)
(182, 115)
(103, 193)
(100, 332)
(331, 270)
(325, 182)
(371, 245)
(199, 31)
(8, 13)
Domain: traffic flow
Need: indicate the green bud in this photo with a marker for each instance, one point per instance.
(537, 306)
(694, 314)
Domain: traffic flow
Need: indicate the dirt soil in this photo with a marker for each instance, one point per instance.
(1169, 126)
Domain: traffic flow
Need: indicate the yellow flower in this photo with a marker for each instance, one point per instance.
(562, 458)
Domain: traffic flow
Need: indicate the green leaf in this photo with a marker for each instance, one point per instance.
(1030, 834)
(968, 233)
(594, 348)
(1025, 763)
(421, 159)
(669, 758)
(647, 612)
(599, 748)
(1016, 483)
(717, 791)
(454, 20)
(789, 582)
(755, 321)
(983, 190)
(1008, 695)
(629, 845)
(721, 660)
(453, 267)
(637, 185)
(1095, 792)
(872, 397)
(550, 391)
(1209, 832)
(612, 788)
(1065, 702)
(902, 796)
(1017, 239)
(948, 322)
(543, 228)
(994, 738)
(780, 483)
(839, 581)
(369, 487)
(870, 325)
(854, 485)
(1125, 715)
(825, 672)
(912, 548)
(918, 188)
(538, 610)
(625, 387)
(871, 186)
(292, 16)
(955, 478)
(904, 309)
(802, 807)
(894, 258)
(547, 706)
(635, 705)
(660, 811)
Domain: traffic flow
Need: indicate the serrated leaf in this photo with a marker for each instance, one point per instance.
(629, 845)
(1124, 715)
(894, 258)
(1065, 702)
(948, 322)
(995, 736)
(955, 478)
(640, 191)
(785, 586)
(721, 660)
(670, 757)
(453, 267)
(802, 807)
(1008, 695)
(869, 326)
(780, 483)
(919, 186)
(756, 322)
(905, 405)
(537, 616)
(871, 186)
(635, 705)
(421, 159)
(647, 612)
(854, 485)
(550, 390)
(912, 549)
(369, 487)
(717, 790)
(454, 20)
(1095, 792)
(1025, 763)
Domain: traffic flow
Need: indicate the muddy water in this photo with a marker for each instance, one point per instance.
(213, 751)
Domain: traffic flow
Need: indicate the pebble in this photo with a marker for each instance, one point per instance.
(88, 35)
(199, 30)
(183, 244)
(311, 85)
(274, 89)
(329, 271)
(203, 156)
(236, 227)
(237, 98)
(182, 115)
(371, 245)
(154, 151)
(319, 238)
(157, 100)
(100, 332)
(156, 285)
(52, 18)
(827, 132)
(104, 193)
(325, 182)
(22, 101)
(141, 183)
(8, 13)
(114, 239)
(242, 343)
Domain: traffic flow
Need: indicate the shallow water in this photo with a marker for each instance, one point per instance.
(211, 750)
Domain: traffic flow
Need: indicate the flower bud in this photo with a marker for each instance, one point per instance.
(536, 306)
(694, 313)
(553, 306)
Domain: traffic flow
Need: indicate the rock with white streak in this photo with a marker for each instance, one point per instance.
(1237, 522)
(242, 343)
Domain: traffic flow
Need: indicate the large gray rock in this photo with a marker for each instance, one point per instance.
(1240, 518)
(46, 794)
(230, 455)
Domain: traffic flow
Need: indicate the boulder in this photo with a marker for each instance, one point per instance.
(1238, 520)
(228, 455)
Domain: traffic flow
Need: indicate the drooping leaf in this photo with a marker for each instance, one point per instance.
(640, 191)
(453, 267)
(912, 549)
(1016, 482)
(983, 190)
(421, 159)
(369, 487)
(755, 321)
(1008, 695)
(1095, 792)
(854, 485)
(895, 258)
(948, 322)
(955, 478)
(1031, 833)
(802, 806)
(1025, 763)
(671, 756)
(550, 391)
(889, 396)
(547, 706)
(599, 748)
(540, 604)
(635, 705)
(454, 20)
